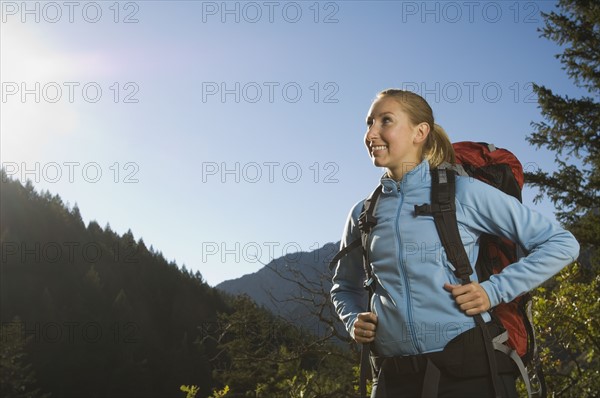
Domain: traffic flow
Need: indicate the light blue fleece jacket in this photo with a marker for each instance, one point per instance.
(415, 313)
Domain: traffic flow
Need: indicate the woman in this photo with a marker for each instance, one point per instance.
(419, 306)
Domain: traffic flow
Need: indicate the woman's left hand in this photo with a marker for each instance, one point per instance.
(471, 298)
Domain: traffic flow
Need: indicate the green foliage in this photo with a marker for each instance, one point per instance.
(356, 372)
(220, 393)
(566, 314)
(293, 380)
(190, 390)
(17, 379)
(264, 356)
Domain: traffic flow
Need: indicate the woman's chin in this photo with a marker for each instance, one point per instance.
(377, 162)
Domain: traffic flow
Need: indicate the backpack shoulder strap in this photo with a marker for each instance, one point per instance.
(443, 210)
(342, 253)
(366, 222)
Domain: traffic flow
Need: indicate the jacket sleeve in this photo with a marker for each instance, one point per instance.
(550, 247)
(347, 293)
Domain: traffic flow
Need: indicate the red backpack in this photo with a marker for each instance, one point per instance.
(501, 169)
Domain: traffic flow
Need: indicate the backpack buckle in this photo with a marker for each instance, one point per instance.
(424, 209)
(369, 283)
(366, 222)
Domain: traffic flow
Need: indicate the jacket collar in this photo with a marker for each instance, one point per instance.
(416, 177)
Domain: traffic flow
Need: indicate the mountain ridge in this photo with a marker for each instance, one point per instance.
(295, 287)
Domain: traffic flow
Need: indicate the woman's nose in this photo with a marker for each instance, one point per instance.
(372, 132)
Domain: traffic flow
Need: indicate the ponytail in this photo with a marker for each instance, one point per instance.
(438, 148)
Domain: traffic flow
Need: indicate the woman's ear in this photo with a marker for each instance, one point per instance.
(421, 133)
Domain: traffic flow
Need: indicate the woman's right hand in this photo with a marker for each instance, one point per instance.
(363, 330)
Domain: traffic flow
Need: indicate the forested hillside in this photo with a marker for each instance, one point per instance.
(105, 315)
(88, 313)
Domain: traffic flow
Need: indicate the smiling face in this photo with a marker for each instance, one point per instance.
(392, 140)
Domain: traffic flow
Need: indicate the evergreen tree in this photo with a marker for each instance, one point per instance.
(572, 125)
(92, 278)
(17, 379)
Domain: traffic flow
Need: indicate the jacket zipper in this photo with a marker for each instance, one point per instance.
(404, 273)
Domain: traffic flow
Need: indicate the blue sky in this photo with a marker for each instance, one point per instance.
(227, 130)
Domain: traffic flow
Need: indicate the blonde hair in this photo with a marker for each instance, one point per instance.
(437, 148)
